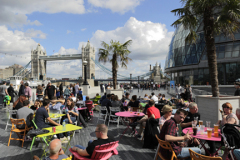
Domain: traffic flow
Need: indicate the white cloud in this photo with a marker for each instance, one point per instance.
(68, 31)
(35, 34)
(150, 40)
(13, 13)
(83, 29)
(121, 6)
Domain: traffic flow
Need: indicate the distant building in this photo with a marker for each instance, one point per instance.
(12, 70)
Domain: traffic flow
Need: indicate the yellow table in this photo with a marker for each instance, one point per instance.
(59, 129)
(56, 115)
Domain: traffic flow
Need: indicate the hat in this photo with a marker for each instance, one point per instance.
(166, 109)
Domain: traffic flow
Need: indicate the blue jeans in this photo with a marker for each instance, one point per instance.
(185, 152)
(178, 96)
(73, 119)
(83, 148)
(236, 152)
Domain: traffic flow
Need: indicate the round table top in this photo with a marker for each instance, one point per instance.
(204, 135)
(82, 108)
(129, 114)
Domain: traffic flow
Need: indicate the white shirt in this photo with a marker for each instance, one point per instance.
(155, 99)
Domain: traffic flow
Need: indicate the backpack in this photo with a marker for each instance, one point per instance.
(232, 135)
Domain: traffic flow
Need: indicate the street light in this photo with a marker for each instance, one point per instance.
(85, 73)
(131, 78)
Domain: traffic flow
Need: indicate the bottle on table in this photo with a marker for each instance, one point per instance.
(64, 125)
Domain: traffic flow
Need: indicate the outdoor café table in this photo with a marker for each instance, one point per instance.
(55, 115)
(127, 114)
(202, 137)
(59, 129)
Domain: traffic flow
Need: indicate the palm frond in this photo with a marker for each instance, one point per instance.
(191, 37)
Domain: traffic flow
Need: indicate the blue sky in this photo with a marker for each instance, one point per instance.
(64, 26)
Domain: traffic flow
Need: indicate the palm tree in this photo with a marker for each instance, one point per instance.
(118, 52)
(218, 16)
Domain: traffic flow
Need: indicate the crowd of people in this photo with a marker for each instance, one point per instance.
(156, 120)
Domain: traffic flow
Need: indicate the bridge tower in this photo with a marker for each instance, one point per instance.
(38, 66)
(88, 53)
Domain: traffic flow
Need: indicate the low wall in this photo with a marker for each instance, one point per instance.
(90, 91)
(208, 106)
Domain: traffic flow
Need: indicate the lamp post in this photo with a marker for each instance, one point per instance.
(85, 73)
(131, 78)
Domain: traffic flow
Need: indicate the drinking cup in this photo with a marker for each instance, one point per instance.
(194, 124)
(209, 133)
(202, 127)
(208, 124)
(216, 128)
(194, 131)
(200, 122)
(215, 134)
(131, 110)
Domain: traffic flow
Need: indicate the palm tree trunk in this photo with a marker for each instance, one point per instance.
(208, 20)
(114, 70)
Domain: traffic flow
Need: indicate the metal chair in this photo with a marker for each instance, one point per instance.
(11, 113)
(113, 110)
(102, 114)
(53, 111)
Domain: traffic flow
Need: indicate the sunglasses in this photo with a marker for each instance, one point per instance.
(170, 111)
(226, 107)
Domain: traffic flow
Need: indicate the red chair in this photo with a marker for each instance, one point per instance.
(90, 107)
(101, 152)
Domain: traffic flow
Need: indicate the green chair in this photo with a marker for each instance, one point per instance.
(35, 136)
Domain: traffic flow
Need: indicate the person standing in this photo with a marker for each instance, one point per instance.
(237, 86)
(178, 91)
(3, 91)
(61, 89)
(50, 91)
(39, 92)
(76, 89)
(28, 91)
(11, 92)
(21, 89)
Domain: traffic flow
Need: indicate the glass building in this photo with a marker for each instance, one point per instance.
(188, 64)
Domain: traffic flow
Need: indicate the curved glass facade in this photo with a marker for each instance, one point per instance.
(187, 63)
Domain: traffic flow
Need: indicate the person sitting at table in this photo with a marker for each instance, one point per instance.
(155, 98)
(169, 134)
(167, 113)
(146, 97)
(134, 103)
(42, 115)
(227, 117)
(26, 113)
(165, 101)
(172, 100)
(236, 152)
(159, 96)
(89, 105)
(55, 104)
(36, 105)
(102, 138)
(126, 98)
(19, 102)
(116, 103)
(179, 103)
(56, 151)
(72, 113)
(106, 102)
(152, 112)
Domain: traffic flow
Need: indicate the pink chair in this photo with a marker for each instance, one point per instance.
(90, 107)
(101, 152)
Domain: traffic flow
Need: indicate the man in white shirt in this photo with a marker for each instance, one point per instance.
(155, 98)
(178, 91)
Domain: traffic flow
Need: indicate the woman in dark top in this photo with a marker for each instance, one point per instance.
(187, 93)
(11, 92)
(116, 102)
(61, 89)
(134, 103)
(36, 105)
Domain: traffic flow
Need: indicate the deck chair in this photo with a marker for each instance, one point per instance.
(18, 131)
(166, 145)
(196, 156)
(11, 113)
(102, 116)
(101, 152)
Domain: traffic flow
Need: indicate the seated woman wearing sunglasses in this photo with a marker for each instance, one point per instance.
(167, 111)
